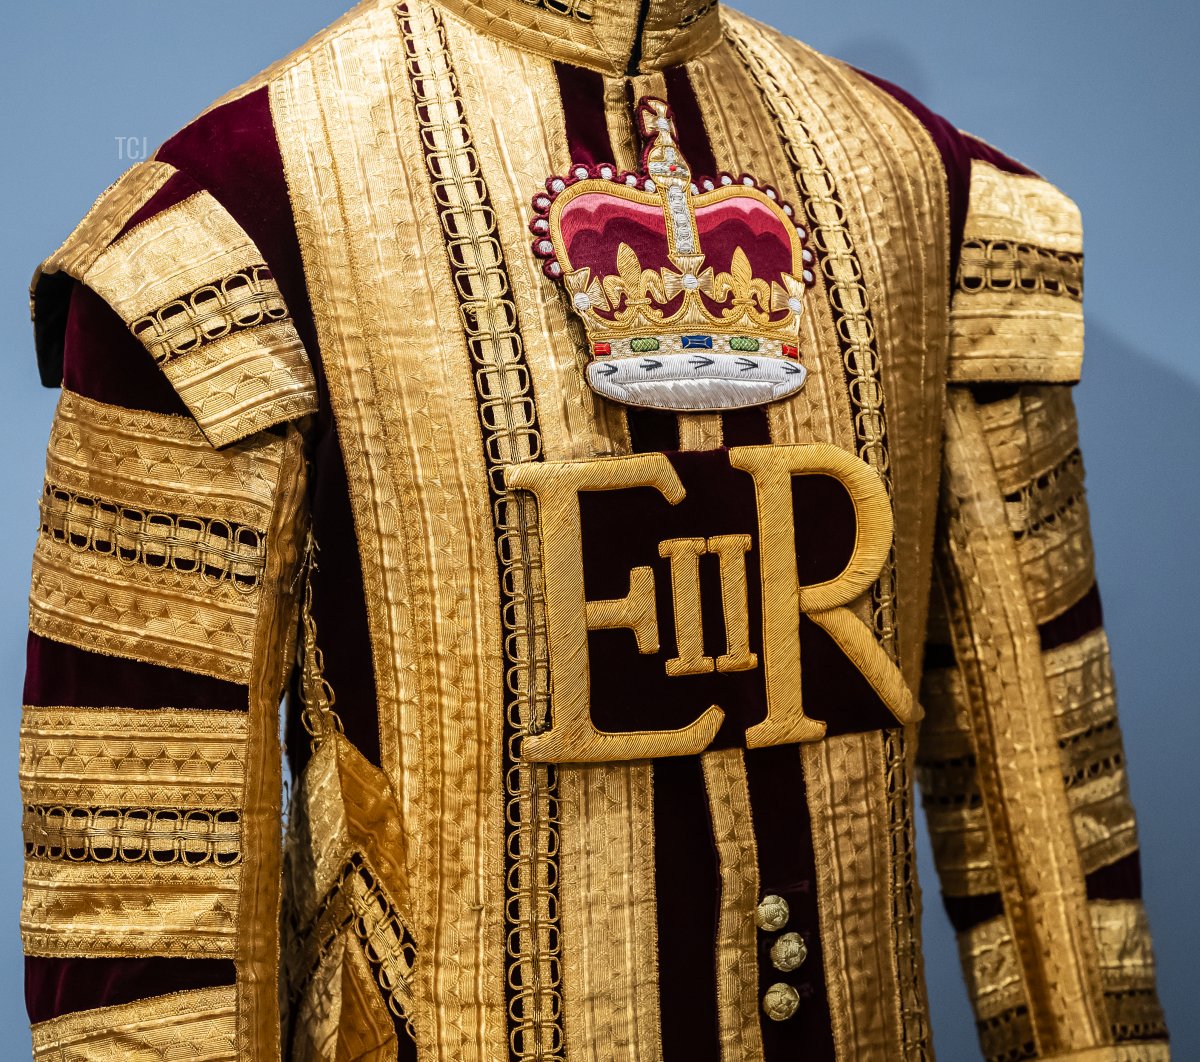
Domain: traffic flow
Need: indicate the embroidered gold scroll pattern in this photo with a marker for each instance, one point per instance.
(510, 434)
(1005, 266)
(241, 300)
(213, 550)
(199, 1025)
(131, 835)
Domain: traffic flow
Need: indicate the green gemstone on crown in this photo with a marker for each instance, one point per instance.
(643, 344)
(743, 343)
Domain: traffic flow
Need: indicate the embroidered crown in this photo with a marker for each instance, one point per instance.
(691, 289)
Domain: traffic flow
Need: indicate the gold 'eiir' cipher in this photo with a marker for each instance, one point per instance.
(718, 531)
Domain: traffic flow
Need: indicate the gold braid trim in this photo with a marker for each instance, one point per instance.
(133, 828)
(153, 544)
(1016, 314)
(199, 1025)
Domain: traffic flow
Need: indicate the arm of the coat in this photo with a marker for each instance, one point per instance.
(1021, 763)
(162, 621)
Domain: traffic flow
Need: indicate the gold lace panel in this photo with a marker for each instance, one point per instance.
(1034, 443)
(128, 909)
(1007, 1037)
(192, 287)
(153, 544)
(133, 830)
(992, 970)
(1008, 267)
(1016, 313)
(1080, 679)
(199, 1025)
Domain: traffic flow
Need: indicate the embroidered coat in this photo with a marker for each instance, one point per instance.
(643, 447)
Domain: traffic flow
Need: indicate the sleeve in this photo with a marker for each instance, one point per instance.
(1021, 764)
(162, 629)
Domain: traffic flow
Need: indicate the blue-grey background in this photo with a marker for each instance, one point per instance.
(1098, 96)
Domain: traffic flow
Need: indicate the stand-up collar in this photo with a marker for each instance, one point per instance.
(616, 37)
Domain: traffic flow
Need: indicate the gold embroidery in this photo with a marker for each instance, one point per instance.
(160, 462)
(731, 553)
(700, 431)
(102, 604)
(191, 519)
(1039, 871)
(399, 377)
(341, 1014)
(573, 737)
(508, 418)
(1034, 443)
(737, 937)
(121, 758)
(106, 218)
(133, 829)
(245, 382)
(193, 289)
(199, 1024)
(598, 34)
(126, 909)
(131, 835)
(245, 299)
(1020, 328)
(1001, 265)
(214, 550)
(992, 969)
(684, 556)
(772, 468)
(258, 943)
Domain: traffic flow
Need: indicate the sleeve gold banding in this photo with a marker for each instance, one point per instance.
(153, 544)
(1033, 440)
(133, 830)
(200, 1024)
(1017, 310)
(195, 291)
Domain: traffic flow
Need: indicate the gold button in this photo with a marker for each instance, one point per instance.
(788, 952)
(781, 1001)
(772, 913)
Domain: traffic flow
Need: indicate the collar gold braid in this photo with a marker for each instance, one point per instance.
(615, 37)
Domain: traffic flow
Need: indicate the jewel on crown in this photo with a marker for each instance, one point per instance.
(691, 288)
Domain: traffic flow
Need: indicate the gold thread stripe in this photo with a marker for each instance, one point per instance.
(161, 462)
(158, 616)
(128, 909)
(737, 935)
(508, 418)
(199, 1025)
(181, 758)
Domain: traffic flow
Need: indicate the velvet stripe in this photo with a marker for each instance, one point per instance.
(54, 987)
(689, 124)
(1083, 617)
(103, 360)
(967, 912)
(582, 92)
(687, 885)
(745, 427)
(57, 674)
(786, 866)
(1121, 880)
